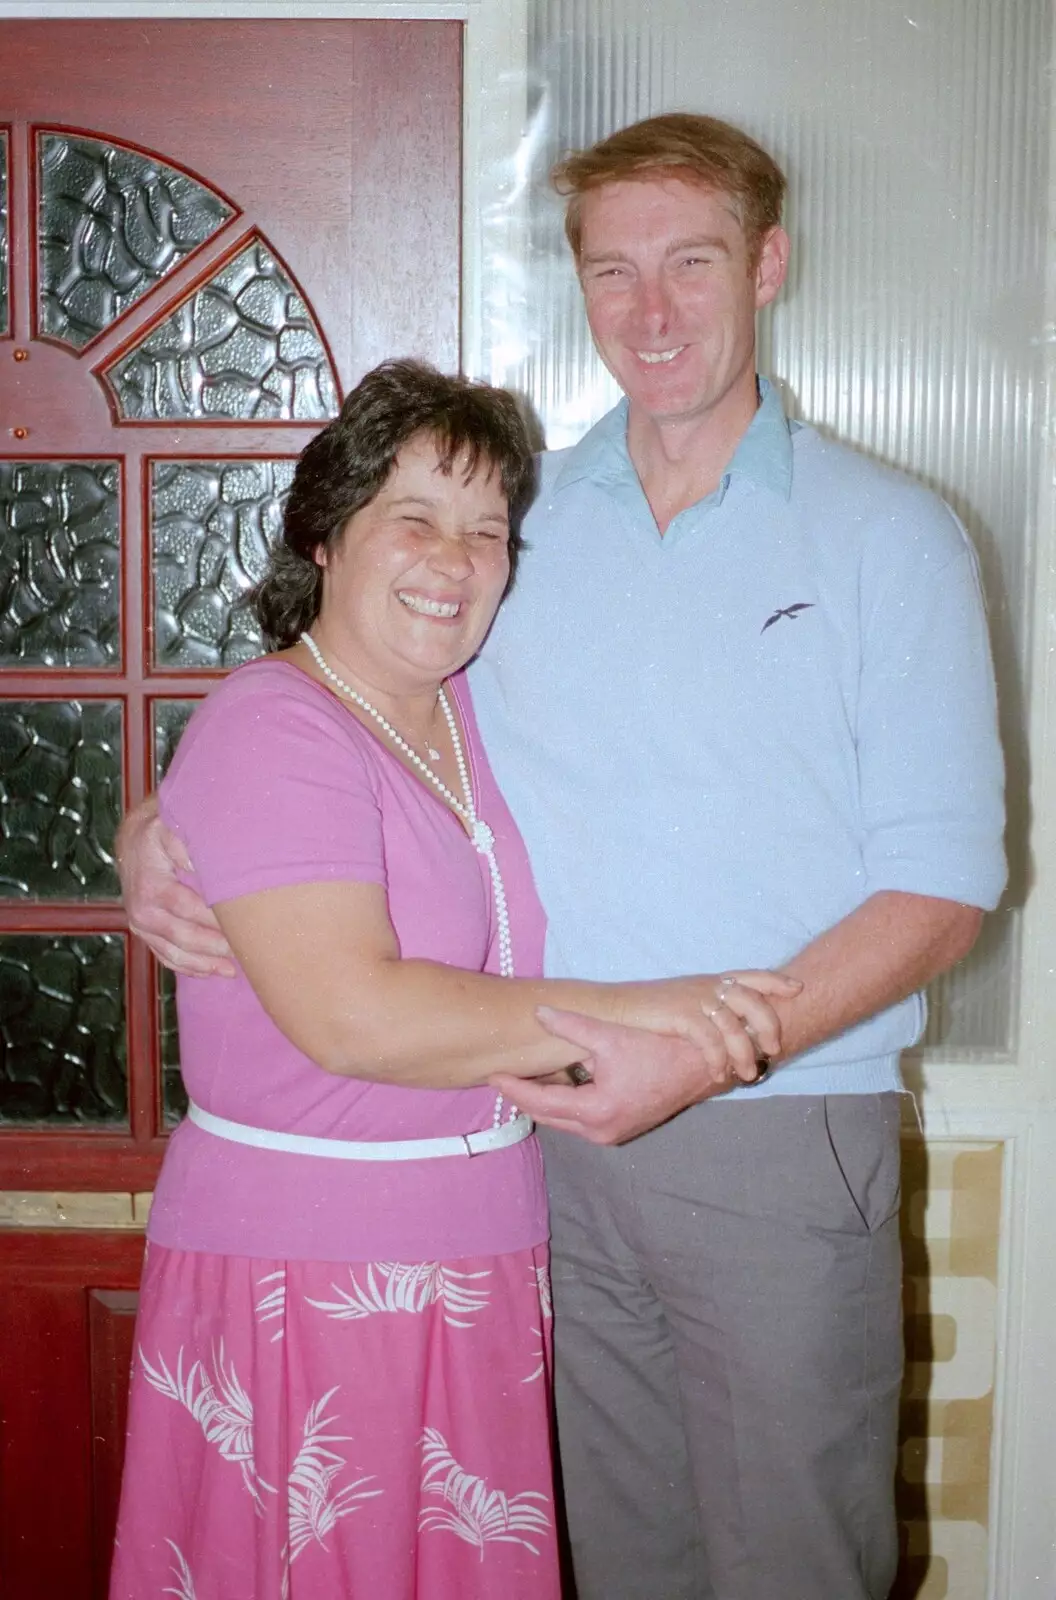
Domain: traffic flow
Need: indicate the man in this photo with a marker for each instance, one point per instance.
(741, 704)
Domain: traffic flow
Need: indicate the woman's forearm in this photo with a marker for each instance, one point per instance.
(325, 963)
(434, 1026)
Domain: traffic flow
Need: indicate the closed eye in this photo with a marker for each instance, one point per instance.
(612, 271)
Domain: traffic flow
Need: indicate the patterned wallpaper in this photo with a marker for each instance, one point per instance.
(951, 1218)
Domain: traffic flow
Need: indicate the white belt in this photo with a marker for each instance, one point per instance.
(302, 1144)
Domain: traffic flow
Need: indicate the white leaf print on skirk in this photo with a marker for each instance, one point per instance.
(313, 1504)
(546, 1312)
(220, 1406)
(182, 1573)
(392, 1287)
(477, 1514)
(273, 1304)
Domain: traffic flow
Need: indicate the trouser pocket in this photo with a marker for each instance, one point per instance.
(862, 1132)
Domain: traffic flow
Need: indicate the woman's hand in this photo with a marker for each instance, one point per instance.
(708, 1010)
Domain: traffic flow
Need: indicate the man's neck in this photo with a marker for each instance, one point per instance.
(679, 462)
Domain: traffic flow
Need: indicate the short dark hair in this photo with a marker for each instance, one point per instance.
(678, 144)
(346, 465)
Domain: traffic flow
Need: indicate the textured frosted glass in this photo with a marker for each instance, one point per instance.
(113, 222)
(60, 798)
(211, 526)
(59, 563)
(5, 240)
(912, 325)
(168, 720)
(244, 348)
(62, 1029)
(173, 1093)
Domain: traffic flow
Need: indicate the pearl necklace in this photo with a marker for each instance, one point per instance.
(481, 836)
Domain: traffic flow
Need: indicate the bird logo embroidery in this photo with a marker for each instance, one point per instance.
(792, 612)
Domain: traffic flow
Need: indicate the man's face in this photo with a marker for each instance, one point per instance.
(671, 292)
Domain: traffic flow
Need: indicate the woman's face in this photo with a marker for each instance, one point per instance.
(412, 587)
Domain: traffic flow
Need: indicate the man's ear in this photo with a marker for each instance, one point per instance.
(771, 267)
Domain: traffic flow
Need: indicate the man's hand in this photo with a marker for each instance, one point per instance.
(638, 1079)
(174, 921)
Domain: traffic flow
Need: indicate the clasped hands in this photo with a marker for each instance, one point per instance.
(674, 1042)
(677, 1042)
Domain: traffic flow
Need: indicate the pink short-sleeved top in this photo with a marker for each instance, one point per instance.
(274, 783)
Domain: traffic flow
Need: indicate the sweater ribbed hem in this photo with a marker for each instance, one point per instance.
(877, 1075)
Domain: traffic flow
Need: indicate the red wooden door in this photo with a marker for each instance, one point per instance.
(208, 231)
(65, 1348)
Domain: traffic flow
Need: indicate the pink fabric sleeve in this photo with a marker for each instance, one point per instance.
(271, 785)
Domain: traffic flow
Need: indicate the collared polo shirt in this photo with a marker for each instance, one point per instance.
(720, 741)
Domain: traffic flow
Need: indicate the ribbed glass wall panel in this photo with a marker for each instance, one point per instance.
(917, 149)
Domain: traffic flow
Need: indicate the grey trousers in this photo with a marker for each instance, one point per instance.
(727, 1312)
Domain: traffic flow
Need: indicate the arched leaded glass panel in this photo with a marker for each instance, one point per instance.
(243, 348)
(211, 525)
(5, 241)
(60, 798)
(59, 563)
(112, 222)
(62, 1029)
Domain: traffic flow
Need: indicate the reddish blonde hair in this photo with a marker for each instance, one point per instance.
(701, 150)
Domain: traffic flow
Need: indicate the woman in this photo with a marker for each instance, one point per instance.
(341, 1384)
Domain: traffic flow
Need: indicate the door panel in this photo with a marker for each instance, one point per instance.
(111, 1328)
(335, 138)
(208, 232)
(65, 1349)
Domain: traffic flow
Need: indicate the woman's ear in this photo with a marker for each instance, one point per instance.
(319, 556)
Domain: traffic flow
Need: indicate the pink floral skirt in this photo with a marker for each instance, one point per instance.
(373, 1431)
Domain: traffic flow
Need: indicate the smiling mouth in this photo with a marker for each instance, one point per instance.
(425, 607)
(655, 358)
